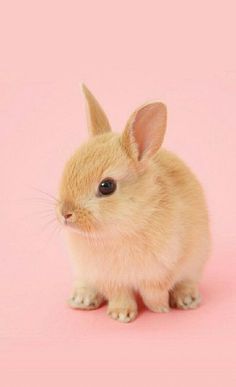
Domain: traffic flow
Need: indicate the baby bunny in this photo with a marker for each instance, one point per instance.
(134, 216)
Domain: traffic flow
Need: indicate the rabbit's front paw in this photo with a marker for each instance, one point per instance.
(85, 298)
(124, 315)
(185, 296)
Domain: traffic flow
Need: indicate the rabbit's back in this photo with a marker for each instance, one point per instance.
(183, 186)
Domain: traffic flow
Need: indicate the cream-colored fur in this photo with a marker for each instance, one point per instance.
(150, 236)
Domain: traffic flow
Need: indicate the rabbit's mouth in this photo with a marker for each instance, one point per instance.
(73, 226)
(91, 236)
(76, 218)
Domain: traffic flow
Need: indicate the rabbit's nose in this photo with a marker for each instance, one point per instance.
(67, 213)
(67, 216)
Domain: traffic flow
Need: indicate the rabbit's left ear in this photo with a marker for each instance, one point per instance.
(145, 130)
(97, 120)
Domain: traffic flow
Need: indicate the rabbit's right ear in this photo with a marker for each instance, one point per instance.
(97, 120)
(145, 130)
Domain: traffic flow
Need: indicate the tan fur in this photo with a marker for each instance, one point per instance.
(151, 236)
(97, 120)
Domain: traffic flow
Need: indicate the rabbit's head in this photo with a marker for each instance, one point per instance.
(108, 184)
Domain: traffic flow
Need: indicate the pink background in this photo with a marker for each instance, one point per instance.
(127, 52)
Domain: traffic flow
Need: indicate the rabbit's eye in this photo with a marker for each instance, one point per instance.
(107, 187)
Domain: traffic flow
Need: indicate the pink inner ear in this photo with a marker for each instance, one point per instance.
(149, 128)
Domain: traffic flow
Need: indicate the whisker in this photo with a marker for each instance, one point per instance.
(55, 231)
(45, 211)
(46, 200)
(50, 222)
(29, 213)
(40, 216)
(45, 193)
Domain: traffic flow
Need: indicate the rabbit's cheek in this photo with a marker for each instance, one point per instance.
(85, 219)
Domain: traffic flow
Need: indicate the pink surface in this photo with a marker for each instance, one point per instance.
(176, 52)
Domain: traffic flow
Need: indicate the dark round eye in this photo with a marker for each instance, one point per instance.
(107, 187)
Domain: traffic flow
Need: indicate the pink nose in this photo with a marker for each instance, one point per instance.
(67, 216)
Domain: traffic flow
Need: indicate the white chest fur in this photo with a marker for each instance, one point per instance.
(122, 264)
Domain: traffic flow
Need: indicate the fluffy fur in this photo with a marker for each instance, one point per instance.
(151, 236)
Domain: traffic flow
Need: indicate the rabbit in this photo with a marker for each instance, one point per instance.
(135, 217)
